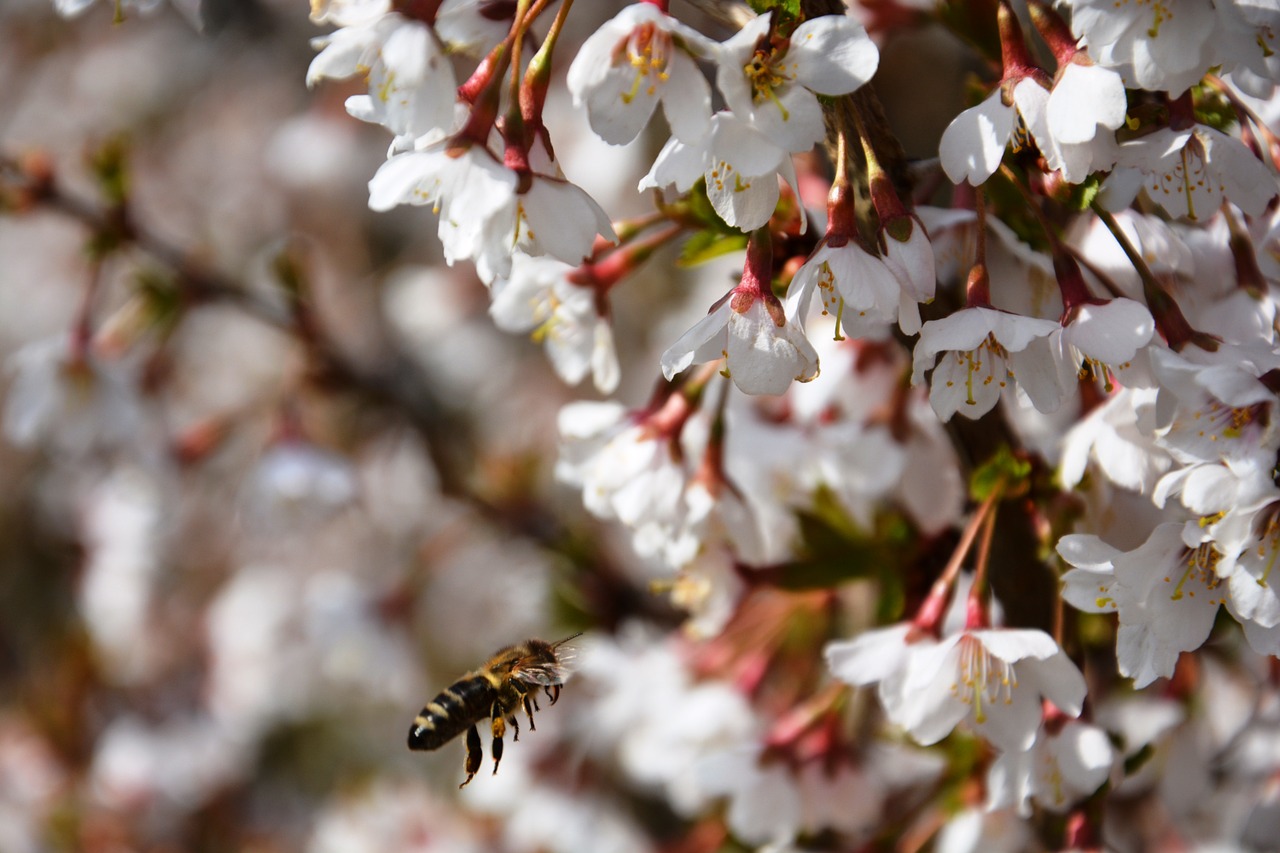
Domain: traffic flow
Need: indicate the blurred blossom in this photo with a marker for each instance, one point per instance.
(482, 596)
(465, 25)
(31, 778)
(708, 586)
(436, 317)
(312, 151)
(295, 484)
(538, 815)
(973, 830)
(175, 766)
(225, 363)
(544, 819)
(627, 467)
(72, 405)
(122, 531)
(397, 487)
(20, 829)
(771, 802)
(647, 713)
(1061, 768)
(284, 644)
(393, 815)
(256, 670)
(75, 7)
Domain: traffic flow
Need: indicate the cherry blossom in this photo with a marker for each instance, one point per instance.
(764, 349)
(985, 352)
(1100, 340)
(1063, 767)
(773, 84)
(769, 89)
(912, 262)
(472, 26)
(472, 179)
(1117, 441)
(1212, 405)
(636, 60)
(573, 217)
(1235, 503)
(1159, 45)
(973, 144)
(364, 510)
(764, 352)
(627, 468)
(411, 84)
(872, 294)
(1190, 173)
(346, 13)
(1246, 44)
(1165, 594)
(740, 165)
(540, 298)
(1070, 118)
(484, 217)
(994, 679)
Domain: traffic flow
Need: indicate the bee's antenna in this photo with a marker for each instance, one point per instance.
(560, 643)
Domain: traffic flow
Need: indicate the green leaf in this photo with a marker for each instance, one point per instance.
(1213, 108)
(1003, 471)
(1134, 762)
(161, 297)
(109, 164)
(790, 8)
(826, 572)
(1083, 195)
(837, 551)
(705, 245)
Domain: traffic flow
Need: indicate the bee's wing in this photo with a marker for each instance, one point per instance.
(541, 673)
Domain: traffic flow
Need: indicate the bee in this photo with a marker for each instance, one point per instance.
(497, 690)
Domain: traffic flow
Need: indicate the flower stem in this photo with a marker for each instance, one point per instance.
(976, 615)
(537, 77)
(1173, 326)
(929, 617)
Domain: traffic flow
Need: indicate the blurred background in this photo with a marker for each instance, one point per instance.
(267, 520)
(229, 579)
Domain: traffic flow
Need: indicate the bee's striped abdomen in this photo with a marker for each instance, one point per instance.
(458, 707)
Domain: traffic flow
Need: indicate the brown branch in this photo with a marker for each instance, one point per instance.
(395, 381)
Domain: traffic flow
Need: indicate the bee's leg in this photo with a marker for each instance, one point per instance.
(553, 692)
(499, 729)
(515, 727)
(529, 705)
(475, 752)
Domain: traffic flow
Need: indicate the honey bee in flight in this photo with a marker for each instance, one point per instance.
(497, 690)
